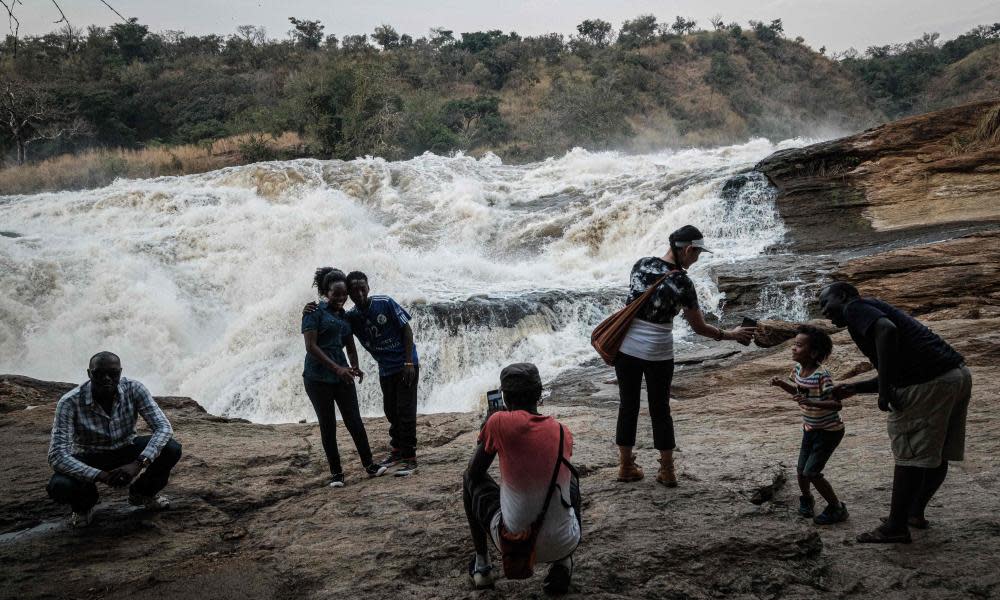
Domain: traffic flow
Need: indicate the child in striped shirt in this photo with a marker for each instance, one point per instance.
(822, 429)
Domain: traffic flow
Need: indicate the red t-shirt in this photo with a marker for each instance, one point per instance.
(528, 448)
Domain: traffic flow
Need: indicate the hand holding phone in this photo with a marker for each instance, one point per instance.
(494, 402)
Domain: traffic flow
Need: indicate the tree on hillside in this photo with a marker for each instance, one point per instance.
(595, 31)
(682, 25)
(386, 36)
(768, 32)
(356, 43)
(442, 37)
(307, 34)
(131, 39)
(638, 32)
(28, 115)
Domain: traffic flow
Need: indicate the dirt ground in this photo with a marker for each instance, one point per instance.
(252, 519)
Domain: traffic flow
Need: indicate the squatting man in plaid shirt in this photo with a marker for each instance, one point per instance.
(94, 441)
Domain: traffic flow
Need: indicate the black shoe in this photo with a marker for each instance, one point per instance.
(376, 470)
(557, 580)
(807, 505)
(336, 481)
(392, 460)
(406, 468)
(831, 515)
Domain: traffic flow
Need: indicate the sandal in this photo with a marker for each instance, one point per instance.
(880, 536)
(914, 522)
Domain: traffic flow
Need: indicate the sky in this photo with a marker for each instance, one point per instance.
(835, 24)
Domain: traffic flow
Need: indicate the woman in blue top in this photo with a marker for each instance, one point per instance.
(328, 377)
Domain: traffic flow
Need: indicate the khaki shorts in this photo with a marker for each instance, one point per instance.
(929, 425)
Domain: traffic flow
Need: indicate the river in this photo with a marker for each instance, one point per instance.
(198, 281)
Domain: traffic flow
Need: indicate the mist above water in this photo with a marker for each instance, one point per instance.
(198, 282)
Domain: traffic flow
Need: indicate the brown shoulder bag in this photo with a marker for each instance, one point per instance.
(608, 336)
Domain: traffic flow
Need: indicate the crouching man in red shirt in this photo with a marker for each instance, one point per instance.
(533, 514)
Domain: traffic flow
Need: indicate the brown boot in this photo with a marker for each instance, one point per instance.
(666, 475)
(627, 469)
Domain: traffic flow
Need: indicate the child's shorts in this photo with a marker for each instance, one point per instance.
(817, 448)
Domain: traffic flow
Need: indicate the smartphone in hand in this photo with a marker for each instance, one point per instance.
(494, 402)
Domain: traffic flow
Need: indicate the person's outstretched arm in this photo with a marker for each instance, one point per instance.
(886, 348)
(696, 319)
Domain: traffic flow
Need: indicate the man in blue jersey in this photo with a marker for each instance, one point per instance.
(383, 328)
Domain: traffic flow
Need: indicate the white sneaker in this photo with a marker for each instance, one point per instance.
(80, 520)
(149, 502)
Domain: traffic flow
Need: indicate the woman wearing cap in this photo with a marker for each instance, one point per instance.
(648, 349)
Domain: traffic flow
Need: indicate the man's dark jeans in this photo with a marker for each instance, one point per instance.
(400, 404)
(82, 495)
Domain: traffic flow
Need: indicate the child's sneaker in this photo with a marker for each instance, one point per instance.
(807, 505)
(831, 515)
(337, 481)
(375, 470)
(406, 468)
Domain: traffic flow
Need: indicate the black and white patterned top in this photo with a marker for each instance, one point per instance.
(676, 292)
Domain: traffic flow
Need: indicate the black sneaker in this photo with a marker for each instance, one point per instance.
(807, 505)
(831, 515)
(337, 481)
(406, 468)
(375, 469)
(557, 580)
(392, 460)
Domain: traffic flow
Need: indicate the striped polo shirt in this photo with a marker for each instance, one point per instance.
(818, 385)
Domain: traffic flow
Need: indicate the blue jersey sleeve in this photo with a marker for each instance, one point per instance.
(398, 312)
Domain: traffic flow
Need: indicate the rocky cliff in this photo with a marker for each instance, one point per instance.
(934, 172)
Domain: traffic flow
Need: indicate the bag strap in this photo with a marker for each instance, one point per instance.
(552, 485)
(649, 291)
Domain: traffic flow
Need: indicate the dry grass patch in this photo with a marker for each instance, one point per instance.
(99, 167)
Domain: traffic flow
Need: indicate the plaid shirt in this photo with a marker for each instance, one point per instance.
(81, 425)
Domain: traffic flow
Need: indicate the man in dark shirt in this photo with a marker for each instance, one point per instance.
(924, 385)
(383, 328)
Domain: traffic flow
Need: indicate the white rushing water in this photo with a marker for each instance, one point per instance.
(197, 282)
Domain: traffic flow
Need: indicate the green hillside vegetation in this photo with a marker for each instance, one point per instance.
(921, 75)
(648, 85)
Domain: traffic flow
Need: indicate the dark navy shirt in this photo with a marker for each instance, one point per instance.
(676, 291)
(332, 331)
(379, 328)
(922, 354)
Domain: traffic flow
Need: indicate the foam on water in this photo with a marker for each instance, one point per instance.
(198, 281)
